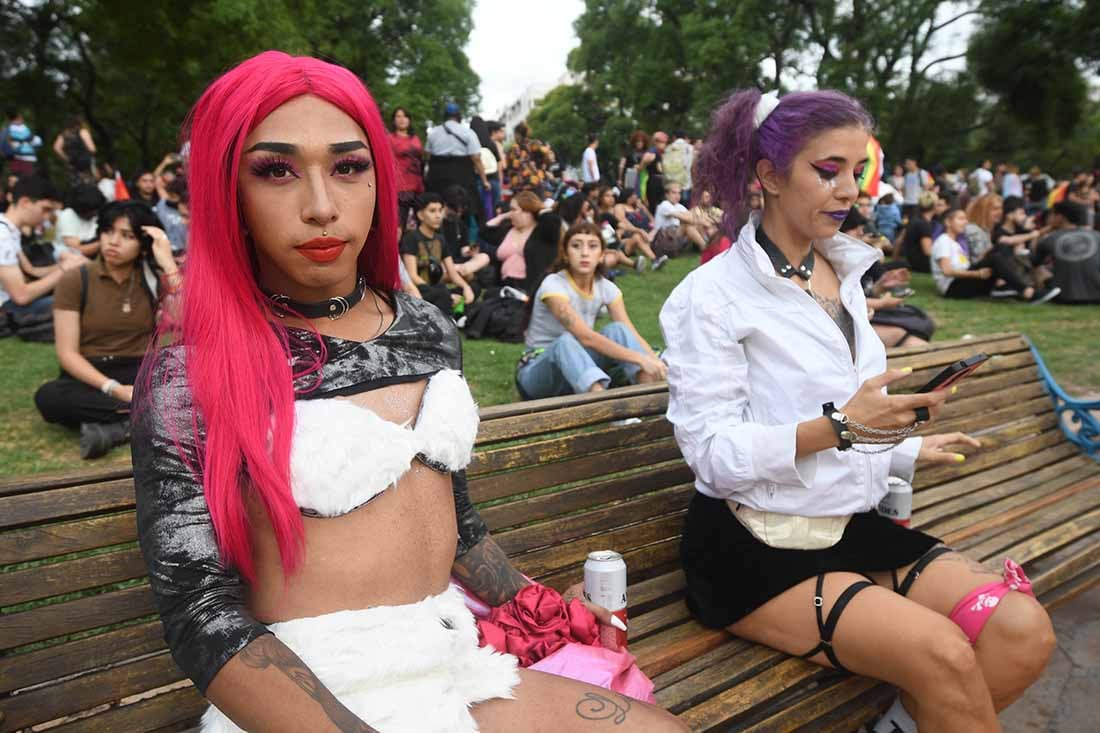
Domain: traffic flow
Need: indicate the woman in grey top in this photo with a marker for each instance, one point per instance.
(565, 354)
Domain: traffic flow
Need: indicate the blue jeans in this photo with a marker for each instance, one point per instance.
(566, 367)
(41, 307)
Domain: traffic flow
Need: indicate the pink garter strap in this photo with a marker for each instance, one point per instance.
(972, 613)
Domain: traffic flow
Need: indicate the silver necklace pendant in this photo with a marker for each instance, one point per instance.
(126, 307)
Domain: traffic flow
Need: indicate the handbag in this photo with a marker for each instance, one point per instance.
(910, 318)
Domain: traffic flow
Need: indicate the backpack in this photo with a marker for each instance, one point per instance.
(496, 318)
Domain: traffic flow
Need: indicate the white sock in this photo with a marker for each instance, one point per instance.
(896, 720)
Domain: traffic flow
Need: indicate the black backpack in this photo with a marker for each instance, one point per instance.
(496, 318)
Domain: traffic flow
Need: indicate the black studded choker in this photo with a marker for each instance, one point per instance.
(805, 270)
(333, 308)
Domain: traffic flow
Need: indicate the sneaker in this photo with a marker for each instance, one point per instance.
(1045, 295)
(1003, 293)
(612, 274)
(509, 292)
(660, 262)
(97, 439)
(639, 263)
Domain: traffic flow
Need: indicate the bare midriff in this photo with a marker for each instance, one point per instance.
(396, 549)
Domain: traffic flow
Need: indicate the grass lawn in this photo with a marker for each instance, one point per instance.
(1066, 336)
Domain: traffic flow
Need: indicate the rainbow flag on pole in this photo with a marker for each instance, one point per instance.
(872, 172)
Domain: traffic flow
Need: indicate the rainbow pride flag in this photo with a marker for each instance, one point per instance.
(872, 172)
(1058, 194)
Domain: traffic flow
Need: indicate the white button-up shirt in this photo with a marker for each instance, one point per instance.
(750, 356)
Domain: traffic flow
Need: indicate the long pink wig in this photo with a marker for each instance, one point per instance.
(236, 359)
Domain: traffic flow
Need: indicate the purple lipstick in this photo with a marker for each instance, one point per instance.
(839, 216)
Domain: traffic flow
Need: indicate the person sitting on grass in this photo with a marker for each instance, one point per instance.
(633, 241)
(429, 261)
(565, 354)
(104, 314)
(461, 234)
(956, 276)
(76, 224)
(676, 227)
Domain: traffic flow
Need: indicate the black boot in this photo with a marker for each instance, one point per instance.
(97, 438)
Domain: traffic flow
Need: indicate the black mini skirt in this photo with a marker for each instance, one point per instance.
(730, 573)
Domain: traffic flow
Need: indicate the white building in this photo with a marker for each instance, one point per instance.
(516, 112)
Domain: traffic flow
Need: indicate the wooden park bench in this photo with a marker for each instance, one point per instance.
(80, 643)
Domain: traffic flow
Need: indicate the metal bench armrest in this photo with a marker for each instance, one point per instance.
(1076, 417)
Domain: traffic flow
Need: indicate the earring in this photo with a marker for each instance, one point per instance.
(324, 232)
(370, 185)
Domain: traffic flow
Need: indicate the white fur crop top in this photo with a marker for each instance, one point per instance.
(344, 455)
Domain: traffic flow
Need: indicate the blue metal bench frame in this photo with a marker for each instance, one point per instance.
(1075, 416)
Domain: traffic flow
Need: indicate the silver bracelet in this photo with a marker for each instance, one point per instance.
(864, 434)
(109, 386)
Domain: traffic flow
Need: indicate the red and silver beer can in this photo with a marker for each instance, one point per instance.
(605, 585)
(898, 502)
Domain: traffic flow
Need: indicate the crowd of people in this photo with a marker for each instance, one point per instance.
(295, 402)
(487, 225)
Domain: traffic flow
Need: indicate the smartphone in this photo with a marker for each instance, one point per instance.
(955, 373)
(902, 292)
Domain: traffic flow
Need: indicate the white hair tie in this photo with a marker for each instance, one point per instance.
(768, 102)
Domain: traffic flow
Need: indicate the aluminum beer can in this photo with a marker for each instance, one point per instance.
(898, 502)
(605, 585)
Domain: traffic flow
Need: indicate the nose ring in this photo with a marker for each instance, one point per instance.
(324, 232)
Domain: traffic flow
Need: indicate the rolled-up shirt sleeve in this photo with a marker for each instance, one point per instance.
(201, 601)
(710, 404)
(903, 458)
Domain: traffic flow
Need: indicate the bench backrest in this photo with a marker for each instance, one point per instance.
(554, 479)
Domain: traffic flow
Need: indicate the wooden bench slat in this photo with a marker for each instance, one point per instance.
(1017, 523)
(1007, 446)
(551, 404)
(965, 405)
(643, 593)
(1007, 496)
(811, 707)
(595, 493)
(731, 670)
(989, 416)
(1051, 539)
(48, 540)
(56, 579)
(926, 497)
(568, 446)
(62, 479)
(86, 692)
(45, 506)
(1074, 559)
(597, 521)
(1068, 591)
(849, 716)
(642, 563)
(551, 559)
(673, 647)
(156, 714)
(598, 465)
(524, 426)
(47, 622)
(663, 617)
(704, 661)
(944, 354)
(80, 655)
(724, 706)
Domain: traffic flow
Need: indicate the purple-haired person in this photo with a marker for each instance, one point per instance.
(779, 403)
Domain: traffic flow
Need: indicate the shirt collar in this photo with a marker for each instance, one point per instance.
(847, 255)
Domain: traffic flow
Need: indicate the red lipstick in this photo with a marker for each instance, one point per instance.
(322, 249)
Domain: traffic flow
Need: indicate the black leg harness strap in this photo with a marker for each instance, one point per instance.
(827, 626)
(917, 569)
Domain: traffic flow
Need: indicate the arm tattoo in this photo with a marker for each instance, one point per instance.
(486, 571)
(603, 706)
(268, 651)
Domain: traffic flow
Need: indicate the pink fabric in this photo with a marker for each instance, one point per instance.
(536, 623)
(611, 670)
(972, 613)
(714, 250)
(510, 254)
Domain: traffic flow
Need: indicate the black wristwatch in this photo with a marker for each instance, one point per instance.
(838, 420)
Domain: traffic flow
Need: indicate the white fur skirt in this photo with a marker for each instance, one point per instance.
(399, 668)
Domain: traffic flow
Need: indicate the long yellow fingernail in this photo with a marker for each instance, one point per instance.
(907, 370)
(954, 390)
(959, 458)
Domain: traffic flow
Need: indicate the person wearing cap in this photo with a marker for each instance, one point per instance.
(1072, 252)
(454, 157)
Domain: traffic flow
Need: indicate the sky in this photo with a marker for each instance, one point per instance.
(519, 43)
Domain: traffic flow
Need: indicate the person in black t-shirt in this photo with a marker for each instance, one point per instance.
(1072, 251)
(916, 245)
(428, 259)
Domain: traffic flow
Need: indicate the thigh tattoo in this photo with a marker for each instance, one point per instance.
(603, 706)
(973, 565)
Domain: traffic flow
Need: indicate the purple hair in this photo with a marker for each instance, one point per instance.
(727, 162)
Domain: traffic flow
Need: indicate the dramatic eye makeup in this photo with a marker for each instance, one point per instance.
(273, 167)
(277, 166)
(827, 169)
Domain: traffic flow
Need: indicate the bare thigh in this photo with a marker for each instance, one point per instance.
(546, 703)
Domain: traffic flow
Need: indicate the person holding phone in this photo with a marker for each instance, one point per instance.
(778, 395)
(104, 314)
